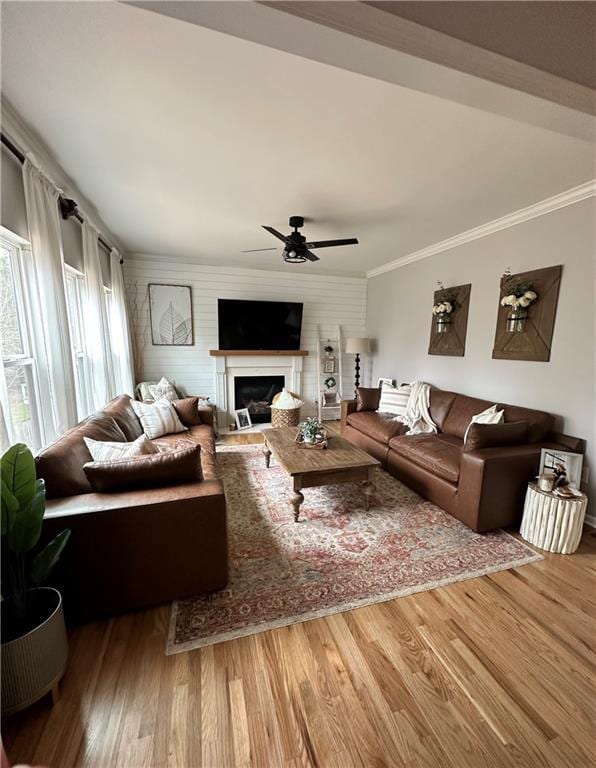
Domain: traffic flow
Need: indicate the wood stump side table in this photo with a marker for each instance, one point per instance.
(551, 522)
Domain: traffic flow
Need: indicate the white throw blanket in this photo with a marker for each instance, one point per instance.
(417, 416)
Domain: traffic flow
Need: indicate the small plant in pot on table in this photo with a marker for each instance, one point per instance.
(34, 644)
(311, 430)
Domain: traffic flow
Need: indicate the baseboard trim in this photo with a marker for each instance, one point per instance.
(563, 199)
(591, 520)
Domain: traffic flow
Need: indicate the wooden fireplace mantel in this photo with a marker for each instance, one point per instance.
(259, 352)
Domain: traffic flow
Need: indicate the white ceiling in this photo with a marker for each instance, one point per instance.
(187, 139)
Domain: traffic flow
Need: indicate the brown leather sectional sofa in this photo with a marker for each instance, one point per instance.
(140, 547)
(483, 488)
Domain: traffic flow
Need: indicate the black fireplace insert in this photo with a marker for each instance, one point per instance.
(256, 394)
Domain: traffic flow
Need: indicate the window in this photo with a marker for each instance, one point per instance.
(75, 285)
(21, 409)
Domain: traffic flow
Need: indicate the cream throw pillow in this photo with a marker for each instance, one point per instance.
(163, 389)
(110, 451)
(490, 416)
(158, 418)
(394, 399)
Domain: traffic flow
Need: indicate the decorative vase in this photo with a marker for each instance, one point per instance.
(516, 320)
(443, 322)
(34, 662)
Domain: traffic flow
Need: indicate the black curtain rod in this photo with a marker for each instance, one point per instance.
(68, 207)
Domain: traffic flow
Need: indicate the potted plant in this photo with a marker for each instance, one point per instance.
(310, 430)
(34, 645)
(330, 384)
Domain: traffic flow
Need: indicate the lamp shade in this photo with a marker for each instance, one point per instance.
(357, 346)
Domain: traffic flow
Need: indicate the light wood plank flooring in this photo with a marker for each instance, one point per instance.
(495, 671)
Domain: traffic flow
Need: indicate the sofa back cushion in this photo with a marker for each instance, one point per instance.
(61, 463)
(121, 410)
(440, 403)
(461, 412)
(464, 408)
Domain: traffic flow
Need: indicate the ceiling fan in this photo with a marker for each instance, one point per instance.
(296, 247)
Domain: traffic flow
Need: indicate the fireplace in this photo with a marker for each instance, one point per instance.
(256, 394)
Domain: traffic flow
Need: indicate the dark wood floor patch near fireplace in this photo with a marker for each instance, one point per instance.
(256, 394)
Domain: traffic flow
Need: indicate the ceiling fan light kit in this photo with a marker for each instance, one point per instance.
(296, 248)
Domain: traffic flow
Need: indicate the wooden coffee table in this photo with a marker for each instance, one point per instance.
(341, 462)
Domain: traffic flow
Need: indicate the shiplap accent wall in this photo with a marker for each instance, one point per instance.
(328, 301)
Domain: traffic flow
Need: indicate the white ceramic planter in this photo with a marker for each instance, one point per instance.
(33, 664)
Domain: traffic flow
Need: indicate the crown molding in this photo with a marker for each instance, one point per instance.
(563, 199)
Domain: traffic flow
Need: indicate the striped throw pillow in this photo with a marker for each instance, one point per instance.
(394, 399)
(159, 418)
(110, 451)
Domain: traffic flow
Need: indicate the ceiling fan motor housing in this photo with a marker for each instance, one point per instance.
(296, 221)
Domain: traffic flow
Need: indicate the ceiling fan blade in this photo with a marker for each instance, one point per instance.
(311, 256)
(275, 233)
(329, 243)
(255, 250)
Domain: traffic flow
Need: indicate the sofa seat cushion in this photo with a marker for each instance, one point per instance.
(202, 435)
(121, 410)
(61, 463)
(439, 454)
(379, 426)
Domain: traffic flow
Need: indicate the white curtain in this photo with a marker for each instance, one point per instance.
(47, 301)
(95, 323)
(124, 377)
(7, 438)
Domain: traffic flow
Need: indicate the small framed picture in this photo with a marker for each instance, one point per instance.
(329, 365)
(387, 382)
(563, 463)
(242, 417)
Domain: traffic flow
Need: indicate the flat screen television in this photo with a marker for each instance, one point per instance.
(244, 324)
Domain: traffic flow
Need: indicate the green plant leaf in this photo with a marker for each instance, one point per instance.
(10, 507)
(18, 472)
(26, 527)
(45, 560)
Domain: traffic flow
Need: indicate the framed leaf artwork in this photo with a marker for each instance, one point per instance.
(170, 314)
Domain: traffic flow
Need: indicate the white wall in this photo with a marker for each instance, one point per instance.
(328, 301)
(399, 304)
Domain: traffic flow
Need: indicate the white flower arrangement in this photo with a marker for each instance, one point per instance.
(444, 308)
(515, 301)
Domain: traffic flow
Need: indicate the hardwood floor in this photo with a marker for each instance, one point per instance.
(495, 671)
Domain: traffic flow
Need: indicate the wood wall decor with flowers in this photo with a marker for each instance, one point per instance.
(526, 316)
(449, 322)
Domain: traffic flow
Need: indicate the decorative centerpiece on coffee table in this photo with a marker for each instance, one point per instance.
(311, 434)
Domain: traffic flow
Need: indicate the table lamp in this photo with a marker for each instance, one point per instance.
(357, 347)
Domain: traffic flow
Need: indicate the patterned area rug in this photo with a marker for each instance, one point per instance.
(336, 558)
